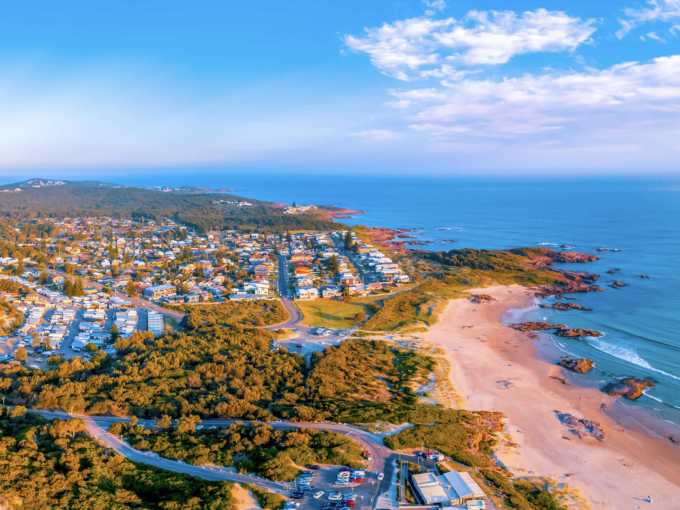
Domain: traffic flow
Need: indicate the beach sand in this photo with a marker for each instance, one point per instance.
(496, 368)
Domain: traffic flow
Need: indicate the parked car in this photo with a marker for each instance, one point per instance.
(330, 506)
(306, 488)
(343, 469)
(381, 476)
(318, 495)
(298, 345)
(334, 496)
(316, 468)
(349, 497)
(341, 481)
(297, 495)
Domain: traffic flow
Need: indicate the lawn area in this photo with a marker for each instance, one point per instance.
(329, 313)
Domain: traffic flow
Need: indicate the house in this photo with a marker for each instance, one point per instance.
(301, 271)
(158, 291)
(192, 298)
(331, 291)
(261, 270)
(306, 293)
(453, 489)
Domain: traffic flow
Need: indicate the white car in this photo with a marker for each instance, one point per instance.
(341, 481)
(318, 495)
(381, 476)
(334, 496)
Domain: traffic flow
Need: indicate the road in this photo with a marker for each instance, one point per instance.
(382, 461)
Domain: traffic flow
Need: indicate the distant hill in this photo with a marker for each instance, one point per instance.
(35, 198)
(36, 182)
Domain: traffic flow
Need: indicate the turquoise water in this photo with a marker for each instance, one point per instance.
(641, 322)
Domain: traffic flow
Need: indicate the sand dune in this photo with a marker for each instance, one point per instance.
(496, 368)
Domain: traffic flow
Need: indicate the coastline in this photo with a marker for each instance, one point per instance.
(496, 368)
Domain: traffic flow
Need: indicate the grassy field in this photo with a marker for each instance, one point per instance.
(329, 313)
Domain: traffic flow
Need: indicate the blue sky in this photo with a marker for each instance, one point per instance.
(388, 87)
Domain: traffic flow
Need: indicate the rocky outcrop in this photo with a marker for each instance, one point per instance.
(536, 326)
(560, 329)
(547, 257)
(629, 387)
(580, 366)
(482, 298)
(566, 306)
(575, 332)
(644, 276)
(444, 240)
(582, 428)
(618, 285)
(569, 288)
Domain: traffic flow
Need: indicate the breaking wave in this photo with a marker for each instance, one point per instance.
(626, 354)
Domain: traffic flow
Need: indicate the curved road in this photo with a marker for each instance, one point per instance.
(382, 461)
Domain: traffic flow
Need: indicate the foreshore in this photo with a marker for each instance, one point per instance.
(496, 368)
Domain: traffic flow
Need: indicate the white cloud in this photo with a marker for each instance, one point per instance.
(375, 135)
(652, 35)
(439, 5)
(422, 47)
(657, 10)
(624, 96)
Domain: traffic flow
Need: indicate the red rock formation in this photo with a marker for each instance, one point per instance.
(630, 387)
(577, 365)
(482, 298)
(573, 332)
(566, 306)
(560, 329)
(569, 288)
(536, 326)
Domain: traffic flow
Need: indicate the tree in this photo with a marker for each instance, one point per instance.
(289, 237)
(188, 423)
(194, 321)
(165, 422)
(333, 265)
(20, 354)
(79, 288)
(54, 361)
(67, 287)
(294, 204)
(43, 278)
(114, 333)
(20, 266)
(114, 271)
(348, 240)
(90, 347)
(130, 288)
(360, 317)
(69, 268)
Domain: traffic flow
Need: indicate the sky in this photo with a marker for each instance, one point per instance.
(386, 87)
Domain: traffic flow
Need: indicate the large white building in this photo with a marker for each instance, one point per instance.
(451, 490)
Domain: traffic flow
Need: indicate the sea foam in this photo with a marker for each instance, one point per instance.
(626, 354)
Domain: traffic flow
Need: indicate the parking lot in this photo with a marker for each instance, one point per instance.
(325, 480)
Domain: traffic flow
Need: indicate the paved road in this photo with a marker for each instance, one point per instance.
(382, 462)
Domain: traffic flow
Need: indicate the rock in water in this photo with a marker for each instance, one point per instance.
(577, 365)
(567, 306)
(629, 387)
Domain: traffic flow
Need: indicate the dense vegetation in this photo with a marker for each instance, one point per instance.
(204, 318)
(54, 464)
(230, 374)
(199, 210)
(252, 448)
(404, 310)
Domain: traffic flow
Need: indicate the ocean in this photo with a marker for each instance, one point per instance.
(639, 217)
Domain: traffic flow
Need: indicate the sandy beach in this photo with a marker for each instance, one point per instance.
(496, 368)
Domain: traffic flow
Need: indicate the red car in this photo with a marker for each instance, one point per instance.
(298, 345)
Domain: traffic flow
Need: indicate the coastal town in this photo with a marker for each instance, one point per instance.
(335, 356)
